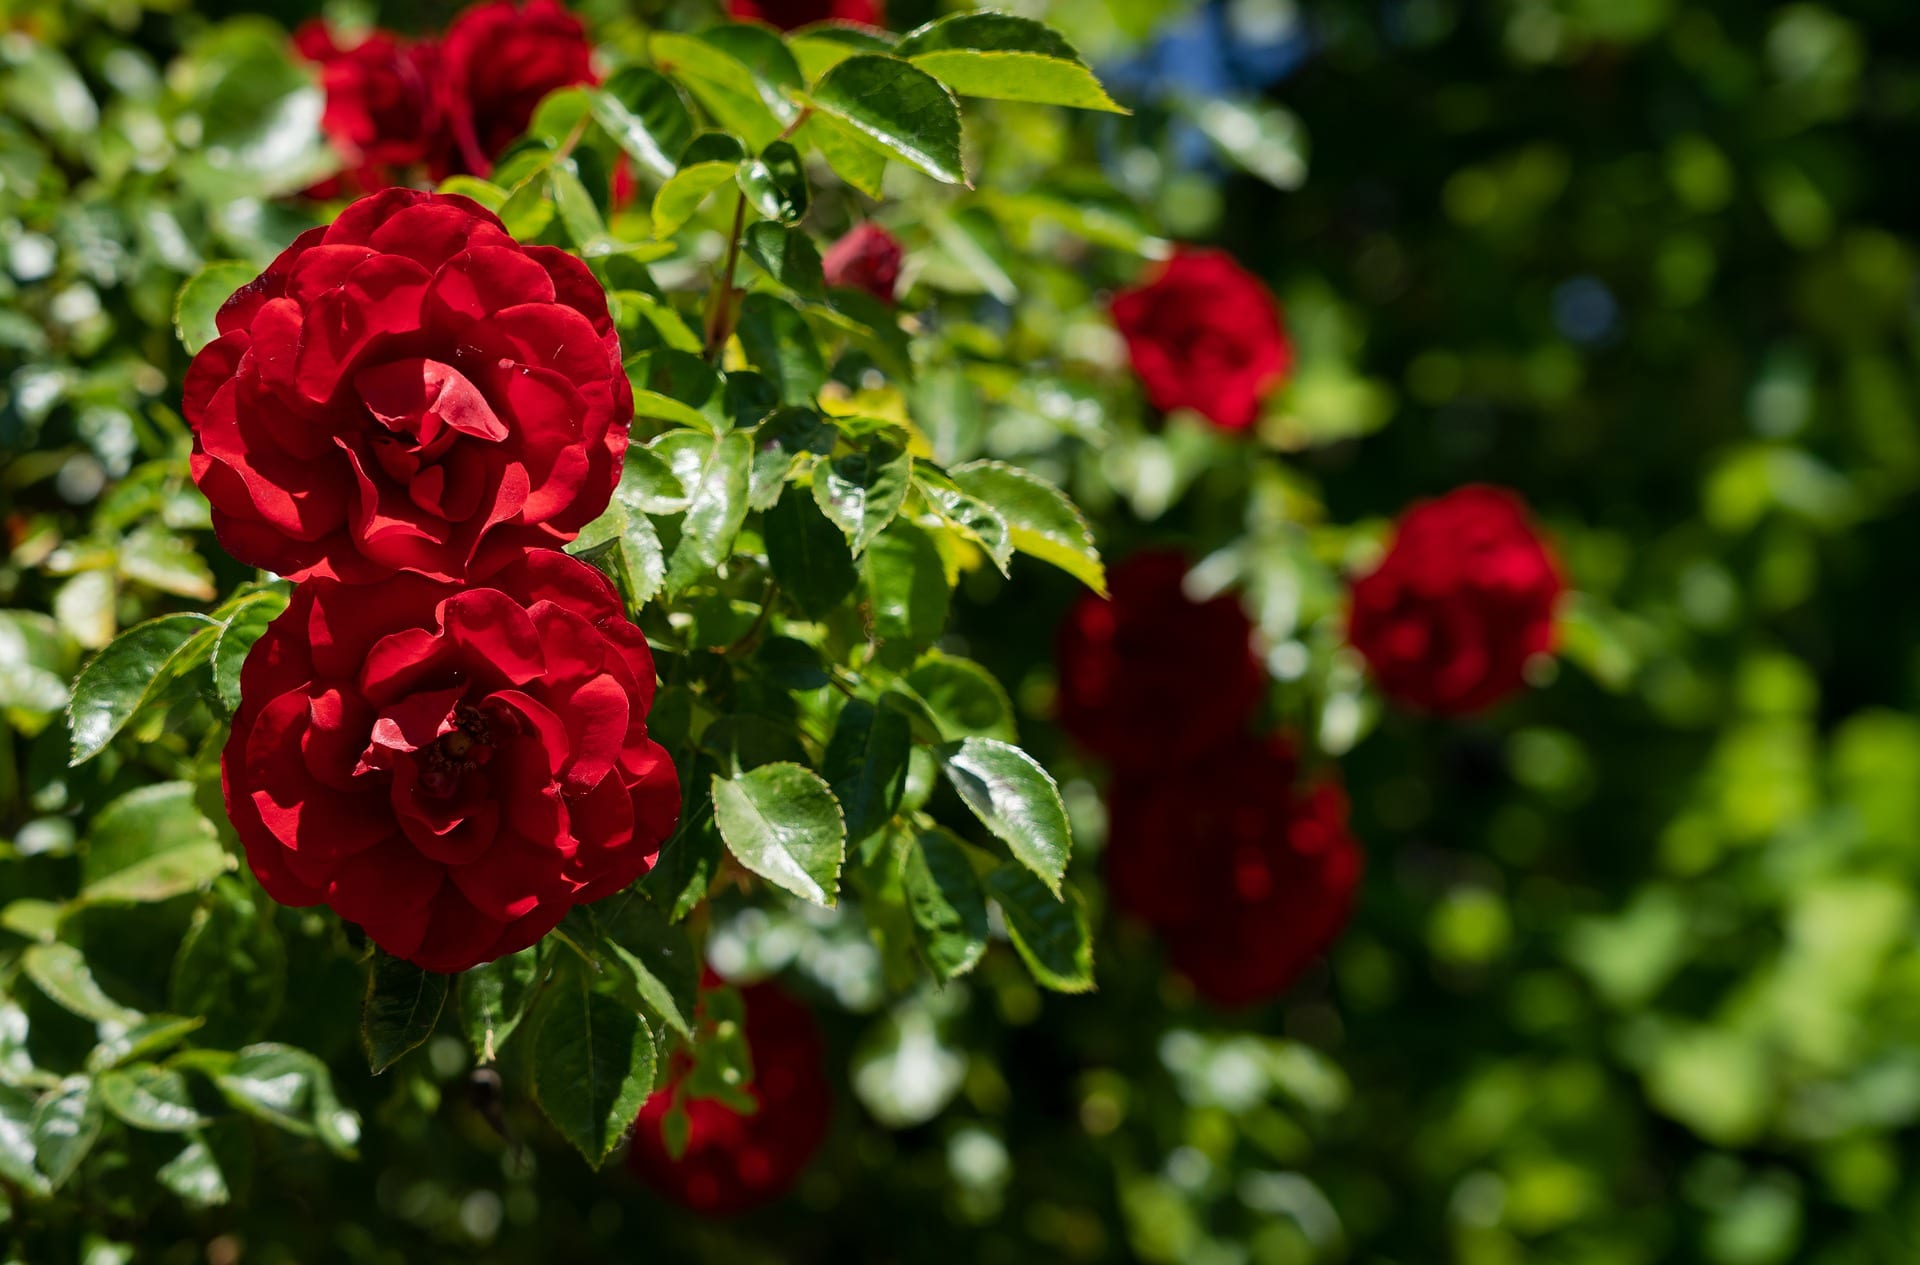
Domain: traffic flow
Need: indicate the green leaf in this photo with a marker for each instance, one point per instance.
(775, 183)
(782, 822)
(485, 192)
(200, 299)
(578, 214)
(623, 543)
(230, 648)
(667, 409)
(904, 592)
(643, 112)
(150, 844)
(866, 765)
(194, 1175)
(690, 860)
(1043, 523)
(899, 108)
(292, 1090)
(788, 256)
(656, 955)
(971, 517)
(1005, 57)
(778, 443)
(1015, 799)
(716, 507)
(133, 670)
(403, 1004)
(771, 68)
(592, 1067)
(665, 320)
(1050, 933)
(16, 1140)
(680, 197)
(59, 971)
(847, 151)
(820, 48)
(861, 492)
(158, 558)
(808, 554)
(494, 997)
(944, 897)
(725, 87)
(152, 1098)
(65, 1124)
(150, 1036)
(780, 345)
(963, 698)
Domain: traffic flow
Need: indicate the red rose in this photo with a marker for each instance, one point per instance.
(498, 60)
(382, 116)
(1463, 598)
(1246, 872)
(402, 387)
(1151, 675)
(790, 15)
(451, 767)
(1204, 334)
(735, 1162)
(867, 258)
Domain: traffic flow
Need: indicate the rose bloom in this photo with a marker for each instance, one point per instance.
(382, 116)
(498, 60)
(867, 258)
(1150, 675)
(733, 1162)
(1464, 596)
(1204, 334)
(790, 15)
(1245, 870)
(404, 387)
(452, 767)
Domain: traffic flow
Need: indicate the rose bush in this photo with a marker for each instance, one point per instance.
(451, 767)
(1463, 599)
(404, 388)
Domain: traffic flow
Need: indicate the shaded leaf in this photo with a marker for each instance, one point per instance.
(150, 844)
(866, 765)
(861, 492)
(592, 1067)
(1050, 933)
(809, 555)
(403, 1004)
(494, 997)
(945, 899)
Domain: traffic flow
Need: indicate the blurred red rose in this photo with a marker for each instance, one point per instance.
(1464, 596)
(790, 15)
(404, 387)
(382, 116)
(1246, 871)
(867, 258)
(733, 1162)
(1150, 675)
(452, 767)
(497, 61)
(1204, 334)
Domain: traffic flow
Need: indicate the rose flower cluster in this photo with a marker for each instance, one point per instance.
(444, 735)
(1219, 841)
(397, 108)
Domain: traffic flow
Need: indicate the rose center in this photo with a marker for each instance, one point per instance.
(456, 753)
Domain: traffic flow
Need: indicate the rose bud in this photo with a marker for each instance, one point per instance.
(403, 388)
(452, 767)
(1151, 675)
(790, 15)
(1246, 871)
(735, 1162)
(1464, 596)
(867, 258)
(498, 61)
(1204, 334)
(382, 116)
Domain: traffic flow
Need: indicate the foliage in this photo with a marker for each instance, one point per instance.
(1631, 979)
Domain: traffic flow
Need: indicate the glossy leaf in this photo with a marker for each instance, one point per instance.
(1014, 798)
(200, 299)
(788, 256)
(866, 765)
(964, 699)
(1007, 57)
(945, 898)
(782, 822)
(780, 345)
(897, 108)
(66, 1123)
(1042, 522)
(60, 972)
(155, 1099)
(134, 669)
(1051, 933)
(592, 1067)
(403, 1004)
(861, 492)
(904, 593)
(644, 113)
(775, 183)
(809, 555)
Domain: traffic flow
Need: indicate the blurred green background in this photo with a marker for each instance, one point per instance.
(1633, 978)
